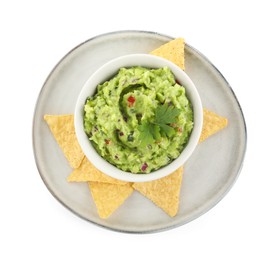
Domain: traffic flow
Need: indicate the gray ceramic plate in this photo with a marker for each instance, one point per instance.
(211, 170)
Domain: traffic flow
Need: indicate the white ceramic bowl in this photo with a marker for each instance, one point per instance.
(106, 72)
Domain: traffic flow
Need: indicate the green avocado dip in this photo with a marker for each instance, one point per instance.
(140, 120)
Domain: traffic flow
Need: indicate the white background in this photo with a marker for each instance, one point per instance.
(239, 37)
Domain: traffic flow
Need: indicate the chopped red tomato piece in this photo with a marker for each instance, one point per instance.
(131, 101)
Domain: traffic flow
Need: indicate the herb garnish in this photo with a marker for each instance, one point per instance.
(153, 131)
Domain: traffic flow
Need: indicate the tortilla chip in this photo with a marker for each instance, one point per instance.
(88, 172)
(172, 51)
(212, 123)
(163, 192)
(108, 197)
(63, 130)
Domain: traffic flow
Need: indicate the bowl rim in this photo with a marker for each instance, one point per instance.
(101, 75)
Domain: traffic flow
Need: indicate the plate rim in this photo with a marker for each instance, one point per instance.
(155, 230)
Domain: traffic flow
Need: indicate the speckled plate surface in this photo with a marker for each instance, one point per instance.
(209, 173)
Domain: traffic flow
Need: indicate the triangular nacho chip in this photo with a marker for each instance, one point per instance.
(212, 123)
(163, 192)
(108, 197)
(63, 130)
(172, 51)
(88, 172)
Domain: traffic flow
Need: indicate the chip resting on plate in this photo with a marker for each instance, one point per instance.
(212, 123)
(172, 51)
(63, 130)
(88, 172)
(163, 192)
(108, 197)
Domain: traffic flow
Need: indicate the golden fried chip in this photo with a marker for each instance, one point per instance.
(88, 172)
(172, 51)
(212, 123)
(108, 197)
(63, 130)
(163, 192)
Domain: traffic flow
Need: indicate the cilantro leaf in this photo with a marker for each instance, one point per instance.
(166, 114)
(148, 133)
(167, 130)
(153, 131)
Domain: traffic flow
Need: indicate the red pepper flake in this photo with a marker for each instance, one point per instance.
(179, 130)
(121, 133)
(131, 101)
(107, 141)
(144, 166)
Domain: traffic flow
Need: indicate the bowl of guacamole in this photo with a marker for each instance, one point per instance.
(138, 118)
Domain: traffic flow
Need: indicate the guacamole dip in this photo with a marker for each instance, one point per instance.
(140, 120)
